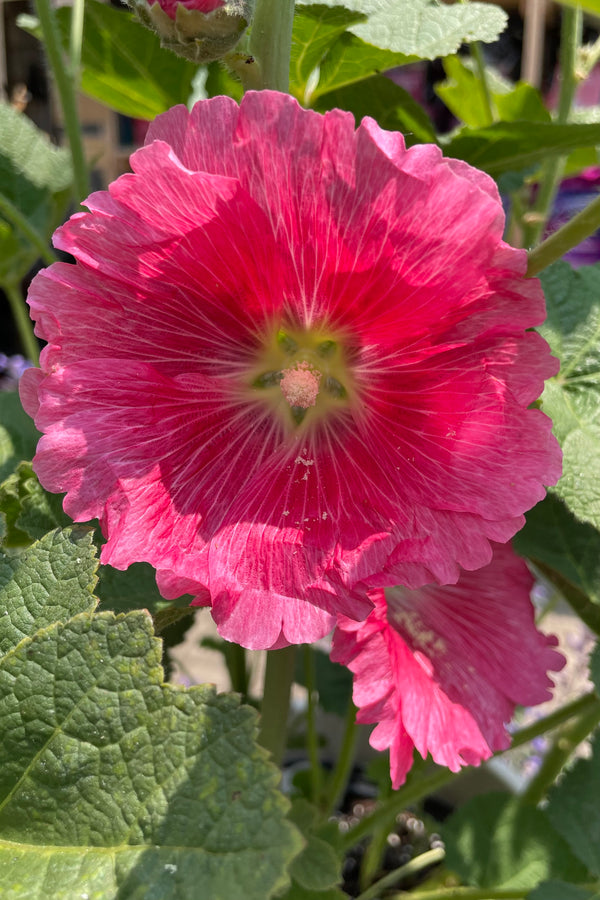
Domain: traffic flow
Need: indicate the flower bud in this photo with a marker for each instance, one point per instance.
(199, 30)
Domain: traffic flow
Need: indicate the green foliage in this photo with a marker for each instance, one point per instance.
(558, 890)
(595, 668)
(113, 783)
(35, 180)
(123, 64)
(317, 869)
(464, 96)
(18, 434)
(493, 841)
(572, 398)
(27, 510)
(424, 28)
(333, 682)
(512, 146)
(574, 811)
(390, 105)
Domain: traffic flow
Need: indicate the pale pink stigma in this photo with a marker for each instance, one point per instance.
(300, 385)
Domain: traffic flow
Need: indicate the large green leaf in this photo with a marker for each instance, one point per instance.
(574, 810)
(26, 509)
(316, 29)
(350, 61)
(572, 398)
(494, 841)
(35, 180)
(559, 890)
(424, 28)
(113, 783)
(511, 146)
(124, 66)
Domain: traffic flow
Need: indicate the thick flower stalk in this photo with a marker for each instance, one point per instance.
(293, 362)
(199, 30)
(442, 668)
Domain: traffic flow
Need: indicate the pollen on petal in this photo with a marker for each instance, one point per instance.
(300, 385)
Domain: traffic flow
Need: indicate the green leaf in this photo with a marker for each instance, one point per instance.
(318, 866)
(112, 783)
(28, 511)
(49, 582)
(595, 668)
(572, 398)
(123, 64)
(36, 181)
(135, 588)
(574, 811)
(511, 146)
(559, 890)
(493, 841)
(333, 682)
(350, 61)
(316, 29)
(220, 81)
(424, 28)
(18, 434)
(390, 105)
(552, 535)
(464, 96)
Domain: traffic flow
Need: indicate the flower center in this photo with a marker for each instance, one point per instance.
(302, 376)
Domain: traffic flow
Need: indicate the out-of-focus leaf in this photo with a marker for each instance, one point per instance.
(333, 682)
(572, 398)
(511, 146)
(574, 811)
(27, 510)
(35, 179)
(424, 28)
(559, 890)
(494, 841)
(18, 434)
(123, 64)
(390, 105)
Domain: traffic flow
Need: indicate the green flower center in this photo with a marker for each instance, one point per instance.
(303, 376)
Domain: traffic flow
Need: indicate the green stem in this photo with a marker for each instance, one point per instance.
(570, 39)
(23, 322)
(312, 738)
(564, 745)
(477, 55)
(271, 42)
(469, 893)
(66, 91)
(16, 218)
(235, 660)
(412, 793)
(76, 38)
(279, 675)
(414, 867)
(570, 235)
(345, 761)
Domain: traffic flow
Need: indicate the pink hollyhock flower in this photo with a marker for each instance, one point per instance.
(442, 668)
(292, 362)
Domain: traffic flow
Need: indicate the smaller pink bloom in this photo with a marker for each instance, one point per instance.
(443, 667)
(203, 6)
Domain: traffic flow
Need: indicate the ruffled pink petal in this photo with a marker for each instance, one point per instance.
(235, 221)
(442, 668)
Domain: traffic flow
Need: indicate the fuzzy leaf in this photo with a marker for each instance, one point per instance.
(112, 783)
(28, 511)
(572, 398)
(123, 64)
(483, 848)
(36, 181)
(573, 809)
(424, 28)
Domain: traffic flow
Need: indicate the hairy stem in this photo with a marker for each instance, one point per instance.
(345, 761)
(271, 42)
(570, 235)
(414, 867)
(23, 322)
